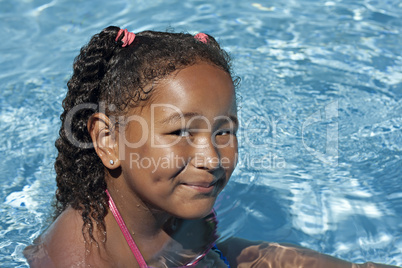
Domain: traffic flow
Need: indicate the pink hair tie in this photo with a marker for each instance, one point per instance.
(202, 37)
(127, 39)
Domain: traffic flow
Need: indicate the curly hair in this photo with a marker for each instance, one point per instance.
(107, 73)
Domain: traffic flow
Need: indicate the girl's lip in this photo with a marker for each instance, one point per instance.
(201, 187)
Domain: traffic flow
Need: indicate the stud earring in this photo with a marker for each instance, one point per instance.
(111, 162)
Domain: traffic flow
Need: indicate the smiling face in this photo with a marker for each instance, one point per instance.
(178, 152)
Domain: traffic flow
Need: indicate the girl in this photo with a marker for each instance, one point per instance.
(147, 142)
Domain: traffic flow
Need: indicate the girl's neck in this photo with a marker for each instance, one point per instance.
(141, 220)
(146, 226)
(158, 233)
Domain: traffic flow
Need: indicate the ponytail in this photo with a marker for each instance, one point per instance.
(80, 173)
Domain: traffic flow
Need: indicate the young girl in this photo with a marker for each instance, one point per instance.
(147, 142)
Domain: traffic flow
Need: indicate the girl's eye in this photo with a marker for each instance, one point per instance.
(225, 132)
(181, 133)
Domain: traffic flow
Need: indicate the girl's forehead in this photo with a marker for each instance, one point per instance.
(202, 85)
(203, 91)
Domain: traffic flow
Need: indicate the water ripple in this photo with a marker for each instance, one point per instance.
(297, 59)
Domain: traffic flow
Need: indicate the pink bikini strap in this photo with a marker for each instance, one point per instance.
(126, 233)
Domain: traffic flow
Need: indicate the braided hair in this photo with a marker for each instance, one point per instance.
(107, 73)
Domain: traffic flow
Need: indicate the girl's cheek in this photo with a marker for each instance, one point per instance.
(229, 158)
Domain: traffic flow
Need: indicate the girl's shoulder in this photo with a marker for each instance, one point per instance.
(63, 245)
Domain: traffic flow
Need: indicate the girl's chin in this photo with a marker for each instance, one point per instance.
(193, 213)
(188, 212)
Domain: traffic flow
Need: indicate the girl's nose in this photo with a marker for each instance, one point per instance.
(206, 155)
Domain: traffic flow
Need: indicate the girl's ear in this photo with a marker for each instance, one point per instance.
(101, 130)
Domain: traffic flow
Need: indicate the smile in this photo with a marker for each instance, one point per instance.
(201, 187)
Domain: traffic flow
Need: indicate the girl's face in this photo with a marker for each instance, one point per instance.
(178, 152)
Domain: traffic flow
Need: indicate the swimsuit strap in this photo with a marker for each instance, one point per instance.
(136, 251)
(126, 233)
(223, 258)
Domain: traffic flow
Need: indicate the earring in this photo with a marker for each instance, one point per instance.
(111, 162)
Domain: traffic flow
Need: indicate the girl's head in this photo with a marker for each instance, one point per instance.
(155, 120)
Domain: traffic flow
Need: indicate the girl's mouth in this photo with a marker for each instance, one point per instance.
(201, 187)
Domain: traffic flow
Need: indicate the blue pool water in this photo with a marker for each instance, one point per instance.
(320, 110)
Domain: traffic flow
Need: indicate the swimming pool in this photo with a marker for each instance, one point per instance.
(320, 106)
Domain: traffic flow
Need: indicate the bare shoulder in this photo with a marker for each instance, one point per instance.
(61, 245)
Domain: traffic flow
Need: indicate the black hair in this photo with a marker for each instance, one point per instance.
(105, 72)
